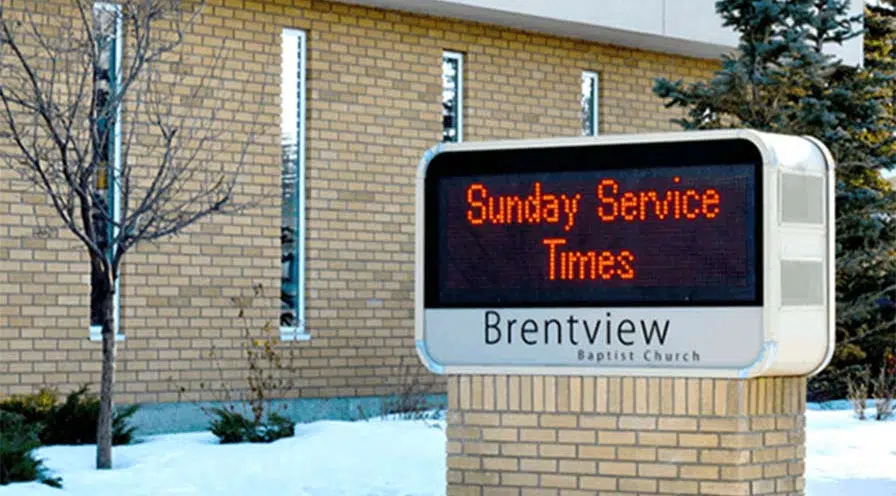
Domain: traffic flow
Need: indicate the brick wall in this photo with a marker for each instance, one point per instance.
(561, 436)
(374, 87)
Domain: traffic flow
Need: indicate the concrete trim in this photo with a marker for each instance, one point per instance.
(557, 27)
(690, 28)
(169, 418)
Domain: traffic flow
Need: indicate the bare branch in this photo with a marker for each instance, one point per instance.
(111, 119)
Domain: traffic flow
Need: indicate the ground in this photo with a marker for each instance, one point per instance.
(845, 456)
(397, 457)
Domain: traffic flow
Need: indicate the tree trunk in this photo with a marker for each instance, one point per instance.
(103, 293)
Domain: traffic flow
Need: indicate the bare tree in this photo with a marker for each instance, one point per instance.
(106, 113)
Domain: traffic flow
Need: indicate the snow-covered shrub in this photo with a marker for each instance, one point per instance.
(18, 440)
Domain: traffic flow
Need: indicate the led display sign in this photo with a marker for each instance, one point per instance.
(608, 254)
(668, 235)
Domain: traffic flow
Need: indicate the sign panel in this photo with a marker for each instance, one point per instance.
(664, 235)
(632, 254)
(591, 338)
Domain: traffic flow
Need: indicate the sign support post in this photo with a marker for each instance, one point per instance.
(633, 314)
(522, 435)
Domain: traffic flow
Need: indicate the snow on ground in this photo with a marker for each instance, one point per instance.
(382, 458)
(846, 456)
(397, 457)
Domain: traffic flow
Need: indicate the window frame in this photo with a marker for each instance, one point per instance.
(114, 189)
(458, 57)
(594, 88)
(298, 332)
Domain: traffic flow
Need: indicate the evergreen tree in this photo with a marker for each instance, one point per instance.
(781, 81)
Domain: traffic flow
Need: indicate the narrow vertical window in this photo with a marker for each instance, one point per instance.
(292, 231)
(452, 97)
(589, 103)
(107, 191)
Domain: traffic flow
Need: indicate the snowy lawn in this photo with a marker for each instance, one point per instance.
(380, 458)
(377, 458)
(845, 456)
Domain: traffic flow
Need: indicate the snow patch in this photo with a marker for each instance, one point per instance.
(391, 457)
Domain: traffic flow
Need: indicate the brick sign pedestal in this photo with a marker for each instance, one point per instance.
(655, 337)
(565, 436)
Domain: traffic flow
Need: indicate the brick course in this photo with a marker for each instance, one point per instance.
(374, 86)
(732, 437)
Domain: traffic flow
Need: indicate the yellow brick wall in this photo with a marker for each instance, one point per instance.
(565, 436)
(374, 89)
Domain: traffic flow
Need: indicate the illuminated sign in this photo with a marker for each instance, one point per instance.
(648, 236)
(648, 254)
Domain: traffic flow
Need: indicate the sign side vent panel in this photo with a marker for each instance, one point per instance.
(801, 283)
(802, 200)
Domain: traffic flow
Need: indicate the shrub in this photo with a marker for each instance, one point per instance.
(832, 383)
(410, 401)
(73, 421)
(18, 440)
(268, 377)
(857, 388)
(231, 426)
(34, 408)
(884, 394)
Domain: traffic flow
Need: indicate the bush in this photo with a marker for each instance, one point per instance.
(231, 426)
(73, 421)
(268, 377)
(884, 394)
(410, 401)
(882, 389)
(18, 439)
(858, 392)
(34, 408)
(833, 383)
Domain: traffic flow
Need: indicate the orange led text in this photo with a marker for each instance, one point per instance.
(674, 203)
(590, 265)
(536, 208)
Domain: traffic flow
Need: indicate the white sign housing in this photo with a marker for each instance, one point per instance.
(697, 254)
